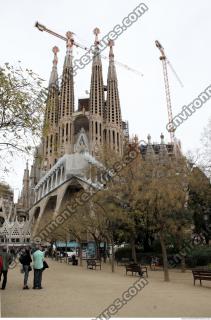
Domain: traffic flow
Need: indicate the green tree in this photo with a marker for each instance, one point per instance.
(121, 219)
(200, 202)
(152, 195)
(205, 161)
(22, 98)
(162, 193)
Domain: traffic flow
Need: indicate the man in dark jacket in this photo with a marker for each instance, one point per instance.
(25, 260)
(6, 259)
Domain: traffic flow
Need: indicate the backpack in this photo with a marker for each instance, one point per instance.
(45, 265)
(21, 259)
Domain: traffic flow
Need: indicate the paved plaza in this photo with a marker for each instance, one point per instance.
(71, 291)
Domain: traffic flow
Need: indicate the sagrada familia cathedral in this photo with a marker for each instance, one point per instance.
(95, 123)
(73, 136)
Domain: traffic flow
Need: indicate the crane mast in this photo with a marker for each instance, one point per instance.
(167, 88)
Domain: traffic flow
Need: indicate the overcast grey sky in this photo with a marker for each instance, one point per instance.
(181, 26)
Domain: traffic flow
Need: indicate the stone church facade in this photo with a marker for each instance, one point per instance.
(72, 138)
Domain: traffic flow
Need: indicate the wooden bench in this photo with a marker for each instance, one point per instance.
(72, 261)
(201, 274)
(135, 268)
(93, 264)
(61, 258)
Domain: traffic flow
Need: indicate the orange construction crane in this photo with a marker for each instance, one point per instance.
(165, 61)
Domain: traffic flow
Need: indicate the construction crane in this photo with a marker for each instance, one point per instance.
(166, 62)
(69, 37)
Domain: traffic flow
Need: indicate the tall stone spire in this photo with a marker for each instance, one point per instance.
(111, 69)
(97, 101)
(113, 103)
(52, 107)
(50, 132)
(113, 113)
(67, 85)
(67, 100)
(54, 75)
(150, 154)
(25, 191)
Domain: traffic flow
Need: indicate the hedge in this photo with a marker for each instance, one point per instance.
(198, 256)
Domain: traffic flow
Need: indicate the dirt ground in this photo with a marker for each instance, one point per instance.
(73, 291)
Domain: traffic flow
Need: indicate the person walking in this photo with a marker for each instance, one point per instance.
(38, 258)
(25, 260)
(6, 260)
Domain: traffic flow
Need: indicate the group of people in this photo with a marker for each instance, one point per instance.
(25, 258)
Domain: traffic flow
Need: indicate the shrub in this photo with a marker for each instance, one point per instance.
(142, 257)
(199, 256)
(125, 252)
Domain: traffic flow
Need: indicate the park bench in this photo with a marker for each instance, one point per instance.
(72, 260)
(135, 268)
(201, 274)
(61, 258)
(93, 264)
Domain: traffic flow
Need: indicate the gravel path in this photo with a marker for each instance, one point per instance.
(71, 291)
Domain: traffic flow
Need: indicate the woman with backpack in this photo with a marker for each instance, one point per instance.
(25, 260)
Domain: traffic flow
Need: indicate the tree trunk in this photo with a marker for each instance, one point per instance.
(146, 244)
(80, 255)
(207, 238)
(65, 251)
(133, 248)
(97, 249)
(112, 254)
(181, 247)
(165, 260)
(104, 252)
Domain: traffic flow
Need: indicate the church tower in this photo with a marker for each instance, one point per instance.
(97, 101)
(67, 101)
(50, 130)
(113, 134)
(24, 200)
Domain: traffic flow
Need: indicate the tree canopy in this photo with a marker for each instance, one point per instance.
(22, 99)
